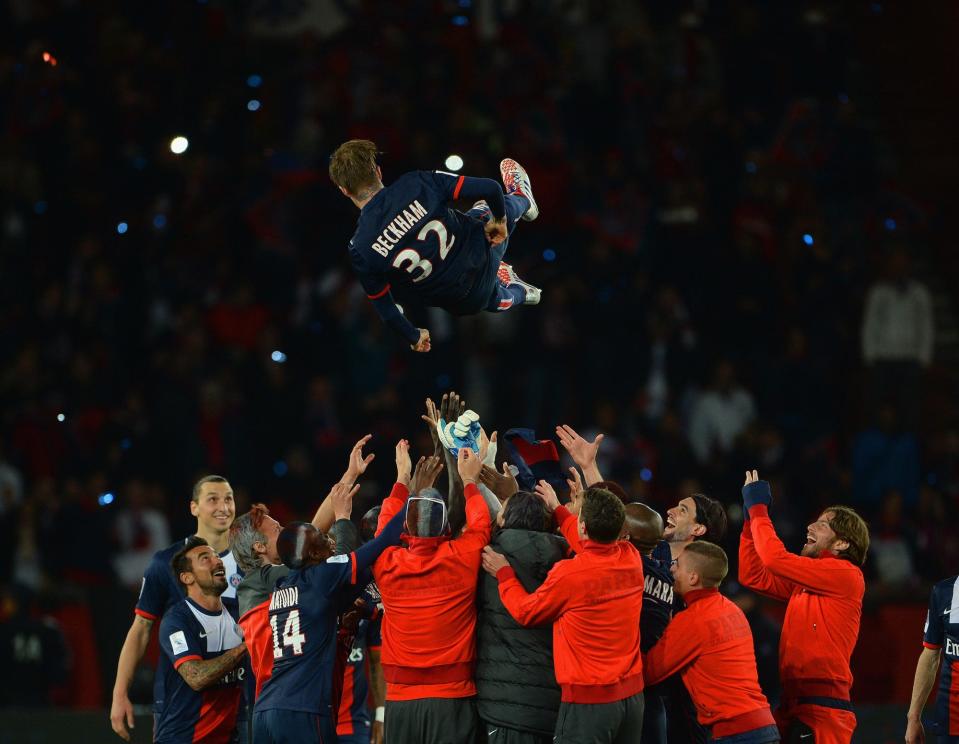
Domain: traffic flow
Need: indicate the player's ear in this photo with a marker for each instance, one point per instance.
(194, 508)
(187, 578)
(699, 530)
(345, 193)
(840, 545)
(379, 173)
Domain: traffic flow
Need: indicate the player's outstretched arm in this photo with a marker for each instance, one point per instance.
(358, 463)
(135, 645)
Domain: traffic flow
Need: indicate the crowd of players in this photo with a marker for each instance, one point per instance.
(499, 613)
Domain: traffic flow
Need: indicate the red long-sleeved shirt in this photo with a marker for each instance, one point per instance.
(711, 646)
(594, 601)
(824, 608)
(429, 602)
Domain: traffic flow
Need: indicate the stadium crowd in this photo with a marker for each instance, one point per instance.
(725, 279)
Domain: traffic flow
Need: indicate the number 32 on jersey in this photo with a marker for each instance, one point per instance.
(412, 258)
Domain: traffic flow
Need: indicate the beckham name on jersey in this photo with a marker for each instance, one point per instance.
(401, 224)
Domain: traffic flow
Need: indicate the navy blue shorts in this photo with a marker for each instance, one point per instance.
(292, 727)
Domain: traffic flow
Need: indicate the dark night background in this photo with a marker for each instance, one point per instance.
(745, 247)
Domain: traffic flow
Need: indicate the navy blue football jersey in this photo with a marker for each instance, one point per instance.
(160, 590)
(303, 610)
(942, 632)
(190, 632)
(303, 618)
(408, 234)
(657, 598)
(354, 717)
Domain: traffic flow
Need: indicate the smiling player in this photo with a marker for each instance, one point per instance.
(823, 589)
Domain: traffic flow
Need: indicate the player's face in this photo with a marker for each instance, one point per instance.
(680, 569)
(214, 508)
(271, 530)
(681, 524)
(209, 573)
(820, 536)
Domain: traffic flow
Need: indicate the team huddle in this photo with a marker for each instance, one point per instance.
(497, 612)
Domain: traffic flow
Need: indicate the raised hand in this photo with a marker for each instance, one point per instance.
(469, 465)
(493, 561)
(341, 496)
(358, 463)
(575, 483)
(426, 473)
(432, 417)
(503, 485)
(755, 492)
(545, 491)
(404, 466)
(582, 451)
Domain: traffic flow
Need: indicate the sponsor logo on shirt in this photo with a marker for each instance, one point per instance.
(952, 648)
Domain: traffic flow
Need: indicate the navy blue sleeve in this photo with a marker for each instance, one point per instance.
(934, 632)
(178, 640)
(389, 536)
(377, 289)
(468, 187)
(155, 589)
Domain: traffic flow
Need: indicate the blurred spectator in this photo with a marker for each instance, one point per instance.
(720, 415)
(890, 545)
(11, 484)
(141, 530)
(885, 457)
(897, 338)
(33, 652)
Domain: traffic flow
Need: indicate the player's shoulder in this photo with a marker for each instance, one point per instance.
(163, 557)
(178, 615)
(945, 589)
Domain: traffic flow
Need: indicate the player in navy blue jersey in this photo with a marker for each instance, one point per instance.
(212, 505)
(354, 724)
(644, 529)
(295, 703)
(202, 665)
(408, 234)
(940, 643)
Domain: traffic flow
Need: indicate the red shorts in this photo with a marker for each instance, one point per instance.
(829, 725)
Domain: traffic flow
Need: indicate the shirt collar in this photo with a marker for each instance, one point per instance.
(697, 594)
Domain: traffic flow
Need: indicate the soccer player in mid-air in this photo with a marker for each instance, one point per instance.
(407, 233)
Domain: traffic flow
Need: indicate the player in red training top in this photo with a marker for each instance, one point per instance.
(407, 233)
(824, 588)
(711, 646)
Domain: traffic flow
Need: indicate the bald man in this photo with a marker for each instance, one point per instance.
(644, 529)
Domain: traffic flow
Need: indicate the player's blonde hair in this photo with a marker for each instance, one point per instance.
(353, 165)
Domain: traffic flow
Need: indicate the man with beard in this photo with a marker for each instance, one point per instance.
(201, 664)
(213, 506)
(823, 589)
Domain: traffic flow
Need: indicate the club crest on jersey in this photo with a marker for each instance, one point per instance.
(235, 580)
